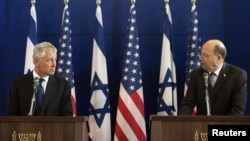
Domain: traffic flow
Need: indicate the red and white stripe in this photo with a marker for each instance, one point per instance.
(130, 118)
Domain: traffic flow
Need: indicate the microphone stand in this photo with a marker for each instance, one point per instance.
(207, 101)
(33, 101)
(205, 77)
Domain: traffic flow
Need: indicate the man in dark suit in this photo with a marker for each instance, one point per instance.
(229, 93)
(56, 100)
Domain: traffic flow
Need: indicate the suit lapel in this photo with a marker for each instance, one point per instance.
(28, 86)
(221, 78)
(49, 93)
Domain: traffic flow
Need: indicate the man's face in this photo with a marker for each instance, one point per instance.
(209, 59)
(47, 64)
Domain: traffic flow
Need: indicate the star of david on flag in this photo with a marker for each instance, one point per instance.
(31, 40)
(99, 108)
(167, 100)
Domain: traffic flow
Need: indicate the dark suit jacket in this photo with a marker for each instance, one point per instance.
(228, 97)
(57, 98)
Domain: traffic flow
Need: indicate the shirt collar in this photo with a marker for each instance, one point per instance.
(218, 70)
(46, 78)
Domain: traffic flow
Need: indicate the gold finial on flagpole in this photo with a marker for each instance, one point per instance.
(133, 1)
(193, 1)
(166, 1)
(66, 2)
(33, 1)
(98, 2)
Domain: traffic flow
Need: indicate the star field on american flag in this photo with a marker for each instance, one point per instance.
(64, 57)
(130, 116)
(64, 65)
(194, 46)
(132, 73)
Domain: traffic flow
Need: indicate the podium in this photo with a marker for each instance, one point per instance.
(189, 128)
(43, 128)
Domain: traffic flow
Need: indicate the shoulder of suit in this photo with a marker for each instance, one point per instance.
(199, 69)
(234, 68)
(24, 77)
(59, 78)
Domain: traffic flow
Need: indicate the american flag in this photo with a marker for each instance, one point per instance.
(194, 47)
(130, 117)
(99, 109)
(31, 40)
(167, 100)
(64, 64)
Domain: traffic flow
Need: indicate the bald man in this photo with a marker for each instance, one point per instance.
(228, 96)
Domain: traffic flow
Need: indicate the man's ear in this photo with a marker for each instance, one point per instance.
(35, 60)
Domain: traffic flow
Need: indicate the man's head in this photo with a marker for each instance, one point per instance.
(44, 59)
(213, 54)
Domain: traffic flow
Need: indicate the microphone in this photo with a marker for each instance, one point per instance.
(35, 84)
(33, 99)
(205, 77)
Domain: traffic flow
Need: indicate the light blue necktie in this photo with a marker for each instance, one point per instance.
(40, 92)
(211, 80)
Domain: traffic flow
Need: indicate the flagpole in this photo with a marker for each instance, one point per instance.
(166, 1)
(33, 2)
(133, 1)
(66, 2)
(98, 2)
(193, 1)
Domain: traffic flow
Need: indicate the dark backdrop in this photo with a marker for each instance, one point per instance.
(227, 20)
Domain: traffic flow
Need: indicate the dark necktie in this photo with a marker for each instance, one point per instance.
(211, 80)
(40, 92)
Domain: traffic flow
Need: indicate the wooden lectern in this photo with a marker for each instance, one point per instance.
(43, 128)
(189, 128)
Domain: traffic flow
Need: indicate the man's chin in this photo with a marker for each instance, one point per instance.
(202, 66)
(51, 73)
